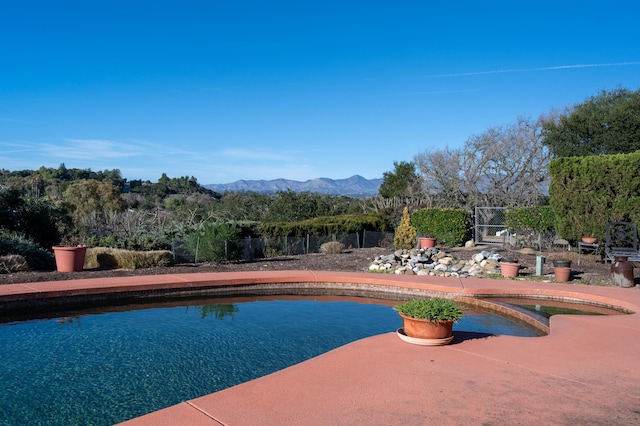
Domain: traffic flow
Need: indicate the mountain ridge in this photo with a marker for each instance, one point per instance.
(354, 186)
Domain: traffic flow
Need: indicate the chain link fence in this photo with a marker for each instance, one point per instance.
(260, 248)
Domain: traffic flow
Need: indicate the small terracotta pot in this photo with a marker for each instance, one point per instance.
(427, 242)
(425, 329)
(589, 240)
(563, 274)
(509, 270)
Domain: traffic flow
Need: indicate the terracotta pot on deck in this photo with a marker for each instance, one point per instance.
(425, 329)
(562, 273)
(510, 269)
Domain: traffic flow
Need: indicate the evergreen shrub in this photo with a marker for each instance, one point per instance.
(405, 235)
(587, 192)
(451, 227)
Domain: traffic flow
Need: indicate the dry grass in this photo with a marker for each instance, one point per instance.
(13, 263)
(332, 247)
(109, 258)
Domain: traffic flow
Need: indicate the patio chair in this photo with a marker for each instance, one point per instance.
(622, 240)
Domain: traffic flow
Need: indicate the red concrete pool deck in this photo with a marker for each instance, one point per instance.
(585, 372)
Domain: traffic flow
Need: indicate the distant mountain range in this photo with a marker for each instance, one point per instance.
(355, 186)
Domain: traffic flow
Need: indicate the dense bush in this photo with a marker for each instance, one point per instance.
(533, 226)
(530, 219)
(588, 192)
(37, 258)
(216, 242)
(451, 227)
(36, 219)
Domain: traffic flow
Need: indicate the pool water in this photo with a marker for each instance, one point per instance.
(105, 368)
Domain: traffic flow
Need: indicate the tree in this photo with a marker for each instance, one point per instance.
(504, 166)
(402, 182)
(89, 202)
(608, 123)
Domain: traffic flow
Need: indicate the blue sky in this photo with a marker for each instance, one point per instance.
(229, 90)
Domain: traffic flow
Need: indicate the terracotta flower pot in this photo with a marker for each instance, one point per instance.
(509, 269)
(69, 259)
(589, 240)
(427, 242)
(562, 273)
(424, 329)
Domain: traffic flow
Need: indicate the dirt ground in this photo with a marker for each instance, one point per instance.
(590, 271)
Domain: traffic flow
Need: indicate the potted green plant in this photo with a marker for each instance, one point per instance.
(428, 321)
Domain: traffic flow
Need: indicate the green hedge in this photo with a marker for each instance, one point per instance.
(588, 192)
(451, 227)
(530, 219)
(326, 225)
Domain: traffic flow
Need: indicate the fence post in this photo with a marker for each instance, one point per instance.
(195, 258)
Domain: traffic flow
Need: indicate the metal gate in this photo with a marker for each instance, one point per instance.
(490, 225)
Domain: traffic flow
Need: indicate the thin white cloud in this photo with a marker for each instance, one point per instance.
(514, 70)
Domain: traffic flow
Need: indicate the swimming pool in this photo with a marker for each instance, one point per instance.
(106, 365)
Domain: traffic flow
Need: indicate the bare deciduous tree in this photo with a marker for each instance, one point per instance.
(504, 166)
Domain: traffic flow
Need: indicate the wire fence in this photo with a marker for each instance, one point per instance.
(260, 248)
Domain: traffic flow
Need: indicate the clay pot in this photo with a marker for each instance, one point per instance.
(589, 240)
(509, 269)
(69, 258)
(427, 242)
(622, 272)
(424, 329)
(562, 273)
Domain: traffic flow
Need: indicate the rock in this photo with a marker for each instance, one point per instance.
(440, 267)
(470, 244)
(446, 260)
(436, 262)
(475, 270)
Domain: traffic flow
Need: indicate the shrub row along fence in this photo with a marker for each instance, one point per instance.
(247, 249)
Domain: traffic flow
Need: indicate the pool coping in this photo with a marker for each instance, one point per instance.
(584, 370)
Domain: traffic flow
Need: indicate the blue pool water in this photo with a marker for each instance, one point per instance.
(105, 368)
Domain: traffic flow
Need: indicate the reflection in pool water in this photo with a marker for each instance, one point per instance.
(108, 367)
